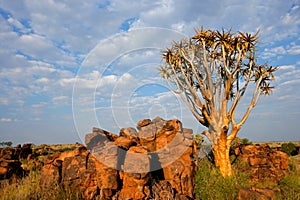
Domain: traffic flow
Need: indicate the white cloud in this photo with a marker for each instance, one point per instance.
(6, 120)
(294, 50)
(60, 100)
(273, 52)
(290, 82)
(286, 67)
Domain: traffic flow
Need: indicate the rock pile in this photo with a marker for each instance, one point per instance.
(147, 163)
(10, 165)
(154, 161)
(263, 162)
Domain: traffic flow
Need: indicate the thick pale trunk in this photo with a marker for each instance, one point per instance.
(221, 157)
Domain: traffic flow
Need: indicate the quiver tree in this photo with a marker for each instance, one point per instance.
(211, 72)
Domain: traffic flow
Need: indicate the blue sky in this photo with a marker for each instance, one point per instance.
(66, 66)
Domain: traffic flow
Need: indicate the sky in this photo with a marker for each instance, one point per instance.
(68, 66)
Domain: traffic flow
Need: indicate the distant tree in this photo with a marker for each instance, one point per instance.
(289, 148)
(8, 144)
(211, 72)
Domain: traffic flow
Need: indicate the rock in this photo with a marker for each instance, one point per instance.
(124, 142)
(280, 160)
(9, 153)
(263, 162)
(10, 169)
(175, 153)
(73, 167)
(137, 160)
(131, 134)
(51, 173)
(136, 174)
(143, 122)
(109, 155)
(162, 190)
(26, 150)
(79, 169)
(97, 138)
(256, 194)
(147, 134)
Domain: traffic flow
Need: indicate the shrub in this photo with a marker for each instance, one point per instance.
(289, 148)
(8, 144)
(246, 141)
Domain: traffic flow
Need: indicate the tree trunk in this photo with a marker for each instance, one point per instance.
(221, 156)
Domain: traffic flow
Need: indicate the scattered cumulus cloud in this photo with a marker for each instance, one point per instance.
(44, 46)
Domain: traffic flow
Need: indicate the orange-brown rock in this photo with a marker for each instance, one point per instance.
(131, 134)
(136, 174)
(147, 134)
(175, 152)
(10, 169)
(256, 194)
(16, 153)
(10, 165)
(143, 122)
(263, 162)
(80, 170)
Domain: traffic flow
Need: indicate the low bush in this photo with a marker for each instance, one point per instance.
(289, 148)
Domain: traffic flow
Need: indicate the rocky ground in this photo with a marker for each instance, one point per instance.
(154, 161)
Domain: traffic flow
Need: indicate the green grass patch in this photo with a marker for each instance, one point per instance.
(209, 184)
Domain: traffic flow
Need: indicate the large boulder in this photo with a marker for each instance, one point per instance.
(147, 133)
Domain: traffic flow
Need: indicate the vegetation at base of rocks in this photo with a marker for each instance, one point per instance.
(290, 184)
(289, 148)
(6, 144)
(209, 184)
(290, 187)
(34, 188)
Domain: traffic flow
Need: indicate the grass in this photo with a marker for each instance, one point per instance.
(290, 185)
(32, 187)
(210, 185)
